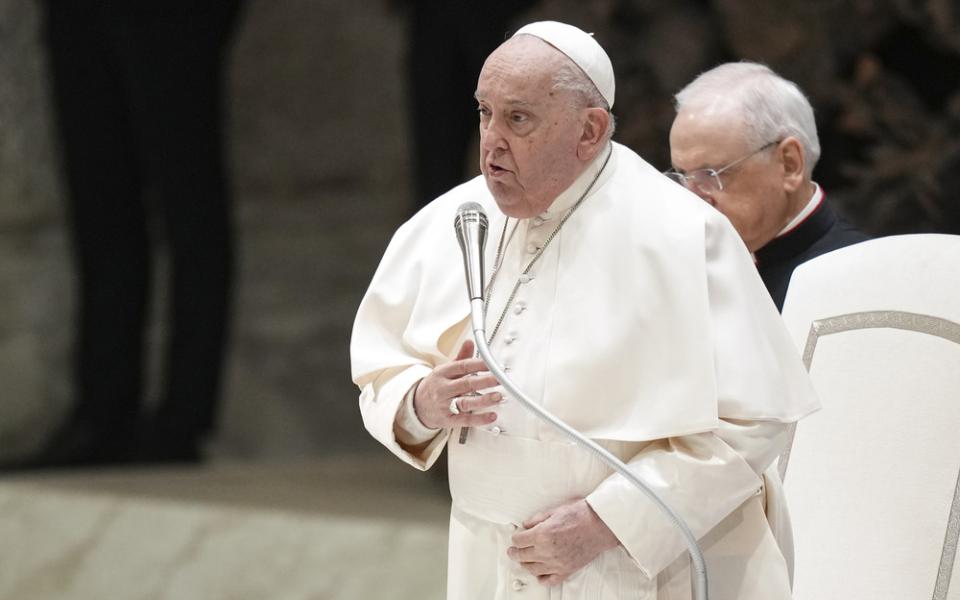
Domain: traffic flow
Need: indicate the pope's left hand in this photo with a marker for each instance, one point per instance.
(558, 542)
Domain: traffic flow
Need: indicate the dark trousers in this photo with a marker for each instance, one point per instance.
(138, 97)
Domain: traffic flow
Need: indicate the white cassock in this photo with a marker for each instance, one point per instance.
(645, 326)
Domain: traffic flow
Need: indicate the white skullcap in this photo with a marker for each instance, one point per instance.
(581, 48)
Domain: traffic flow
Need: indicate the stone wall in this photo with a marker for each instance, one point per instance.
(317, 155)
(34, 276)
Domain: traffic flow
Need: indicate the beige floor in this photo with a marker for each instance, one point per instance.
(337, 528)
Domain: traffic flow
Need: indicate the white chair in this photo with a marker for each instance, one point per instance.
(872, 479)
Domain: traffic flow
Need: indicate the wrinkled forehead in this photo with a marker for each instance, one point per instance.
(706, 137)
(521, 58)
(717, 110)
(711, 122)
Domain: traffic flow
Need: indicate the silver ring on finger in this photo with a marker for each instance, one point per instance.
(454, 407)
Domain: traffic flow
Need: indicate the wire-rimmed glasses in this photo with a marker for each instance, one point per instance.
(708, 180)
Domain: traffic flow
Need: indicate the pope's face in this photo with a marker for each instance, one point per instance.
(529, 131)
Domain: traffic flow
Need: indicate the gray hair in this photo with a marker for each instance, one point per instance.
(769, 106)
(569, 77)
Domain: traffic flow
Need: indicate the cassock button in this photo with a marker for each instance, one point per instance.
(519, 307)
(496, 430)
(518, 584)
(526, 278)
(538, 221)
(532, 248)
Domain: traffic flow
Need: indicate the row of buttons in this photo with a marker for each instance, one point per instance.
(517, 584)
(540, 219)
(518, 308)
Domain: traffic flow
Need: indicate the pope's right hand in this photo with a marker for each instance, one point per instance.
(459, 380)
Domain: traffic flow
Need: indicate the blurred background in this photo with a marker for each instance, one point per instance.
(320, 156)
(327, 152)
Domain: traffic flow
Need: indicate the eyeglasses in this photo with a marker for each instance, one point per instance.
(708, 180)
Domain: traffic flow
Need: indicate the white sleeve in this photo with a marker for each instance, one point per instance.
(381, 404)
(408, 428)
(703, 477)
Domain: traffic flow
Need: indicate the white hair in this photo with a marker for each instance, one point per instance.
(571, 78)
(769, 106)
(568, 76)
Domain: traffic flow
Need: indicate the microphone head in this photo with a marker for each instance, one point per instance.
(471, 227)
(467, 214)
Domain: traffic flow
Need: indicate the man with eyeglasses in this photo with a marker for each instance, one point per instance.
(744, 139)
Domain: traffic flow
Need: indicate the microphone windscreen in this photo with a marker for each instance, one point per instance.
(470, 211)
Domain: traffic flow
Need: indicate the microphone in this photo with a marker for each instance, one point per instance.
(471, 227)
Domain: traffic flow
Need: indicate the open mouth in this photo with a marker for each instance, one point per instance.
(495, 170)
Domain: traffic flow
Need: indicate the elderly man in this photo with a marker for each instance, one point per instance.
(744, 139)
(625, 306)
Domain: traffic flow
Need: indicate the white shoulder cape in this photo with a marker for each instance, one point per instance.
(662, 322)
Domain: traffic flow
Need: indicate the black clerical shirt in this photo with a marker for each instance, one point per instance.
(818, 234)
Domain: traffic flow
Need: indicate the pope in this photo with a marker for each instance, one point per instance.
(625, 306)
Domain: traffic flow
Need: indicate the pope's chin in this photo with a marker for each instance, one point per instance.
(508, 198)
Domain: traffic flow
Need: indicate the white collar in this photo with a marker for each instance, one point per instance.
(811, 206)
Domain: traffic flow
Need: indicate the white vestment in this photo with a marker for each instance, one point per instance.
(644, 325)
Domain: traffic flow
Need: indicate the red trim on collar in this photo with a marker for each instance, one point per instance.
(823, 196)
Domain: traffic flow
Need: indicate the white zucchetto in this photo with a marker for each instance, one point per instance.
(581, 48)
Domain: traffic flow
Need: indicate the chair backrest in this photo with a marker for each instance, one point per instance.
(873, 479)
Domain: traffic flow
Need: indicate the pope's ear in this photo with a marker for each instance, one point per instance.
(596, 124)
